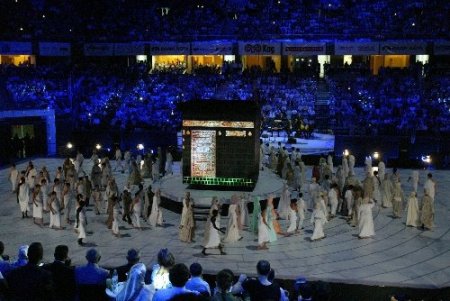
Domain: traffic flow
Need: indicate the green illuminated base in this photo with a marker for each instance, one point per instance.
(220, 183)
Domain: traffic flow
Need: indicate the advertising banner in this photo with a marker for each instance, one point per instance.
(303, 48)
(259, 48)
(125, 49)
(403, 47)
(54, 49)
(212, 47)
(441, 48)
(99, 49)
(356, 48)
(15, 48)
(167, 48)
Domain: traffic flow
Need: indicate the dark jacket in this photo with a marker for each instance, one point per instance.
(31, 283)
(63, 280)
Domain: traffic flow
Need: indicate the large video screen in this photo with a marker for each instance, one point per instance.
(203, 153)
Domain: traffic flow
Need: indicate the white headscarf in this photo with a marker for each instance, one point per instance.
(134, 284)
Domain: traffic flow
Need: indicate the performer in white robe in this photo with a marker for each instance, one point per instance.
(430, 186)
(319, 219)
(169, 163)
(333, 199)
(37, 206)
(13, 177)
(381, 170)
(184, 210)
(365, 222)
(137, 211)
(118, 157)
(397, 200)
(301, 209)
(414, 178)
(67, 200)
(368, 164)
(413, 217)
(314, 190)
(215, 205)
(44, 193)
(82, 222)
(349, 199)
(303, 173)
(213, 240)
(116, 220)
(292, 217)
(31, 176)
(351, 165)
(263, 231)
(156, 217)
(232, 233)
(376, 187)
(155, 170)
(285, 201)
(53, 205)
(345, 166)
(330, 163)
(386, 192)
(23, 197)
(243, 218)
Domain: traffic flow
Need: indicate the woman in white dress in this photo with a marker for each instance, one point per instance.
(13, 177)
(213, 241)
(23, 197)
(67, 202)
(82, 219)
(285, 201)
(136, 209)
(292, 217)
(376, 187)
(301, 209)
(413, 217)
(319, 219)
(156, 217)
(184, 210)
(386, 192)
(187, 224)
(232, 234)
(36, 199)
(345, 168)
(53, 205)
(263, 231)
(414, 179)
(215, 205)
(365, 222)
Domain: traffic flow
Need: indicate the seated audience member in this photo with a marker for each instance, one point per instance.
(178, 276)
(160, 271)
(22, 257)
(2, 250)
(91, 279)
(284, 294)
(196, 283)
(63, 274)
(261, 289)
(135, 288)
(224, 281)
(4, 260)
(133, 257)
(31, 282)
(91, 273)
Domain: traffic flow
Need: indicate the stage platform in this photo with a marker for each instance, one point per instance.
(173, 188)
(397, 256)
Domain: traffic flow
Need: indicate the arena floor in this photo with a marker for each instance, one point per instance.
(396, 256)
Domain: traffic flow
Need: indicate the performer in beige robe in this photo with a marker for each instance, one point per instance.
(397, 200)
(412, 218)
(427, 214)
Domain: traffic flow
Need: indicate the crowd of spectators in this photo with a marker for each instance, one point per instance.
(408, 100)
(106, 20)
(29, 278)
(392, 102)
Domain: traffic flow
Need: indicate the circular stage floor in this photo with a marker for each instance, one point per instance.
(396, 256)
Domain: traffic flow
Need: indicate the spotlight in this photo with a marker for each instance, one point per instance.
(426, 159)
(98, 146)
(69, 145)
(346, 152)
(140, 146)
(376, 155)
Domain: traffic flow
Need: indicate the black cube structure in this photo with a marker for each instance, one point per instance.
(221, 144)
